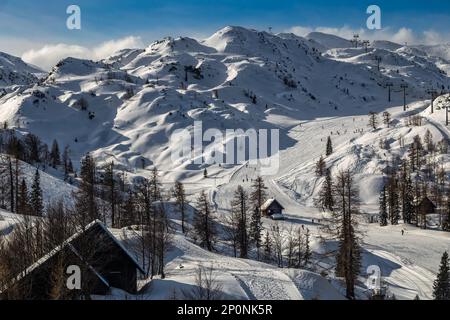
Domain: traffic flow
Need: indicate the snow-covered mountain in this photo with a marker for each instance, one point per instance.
(174, 82)
(14, 71)
(126, 107)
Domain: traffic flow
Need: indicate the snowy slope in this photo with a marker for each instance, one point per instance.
(14, 71)
(126, 107)
(329, 41)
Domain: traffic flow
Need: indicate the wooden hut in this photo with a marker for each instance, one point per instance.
(272, 208)
(102, 259)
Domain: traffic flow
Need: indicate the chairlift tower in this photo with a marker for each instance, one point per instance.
(389, 85)
(366, 44)
(433, 94)
(404, 86)
(378, 59)
(355, 40)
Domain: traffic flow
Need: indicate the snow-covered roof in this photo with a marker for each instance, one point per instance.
(68, 244)
(268, 203)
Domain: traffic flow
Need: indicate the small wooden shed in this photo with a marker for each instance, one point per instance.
(271, 207)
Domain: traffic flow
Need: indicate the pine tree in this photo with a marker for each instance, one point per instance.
(428, 140)
(204, 222)
(383, 208)
(127, 211)
(258, 194)
(180, 196)
(36, 201)
(393, 200)
(239, 207)
(267, 244)
(325, 200)
(373, 120)
(67, 163)
(300, 248)
(329, 149)
(408, 204)
(111, 190)
(155, 185)
(23, 201)
(441, 286)
(257, 197)
(86, 205)
(320, 167)
(342, 226)
(387, 118)
(55, 157)
(256, 228)
(446, 223)
(307, 253)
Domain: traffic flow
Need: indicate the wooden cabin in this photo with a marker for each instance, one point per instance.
(425, 207)
(272, 208)
(104, 263)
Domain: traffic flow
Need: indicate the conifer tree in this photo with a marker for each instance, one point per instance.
(325, 200)
(55, 157)
(111, 192)
(204, 222)
(408, 204)
(67, 162)
(267, 244)
(307, 254)
(441, 286)
(393, 200)
(387, 118)
(239, 207)
(86, 205)
(373, 120)
(383, 208)
(36, 200)
(180, 196)
(23, 200)
(258, 197)
(329, 149)
(342, 226)
(320, 167)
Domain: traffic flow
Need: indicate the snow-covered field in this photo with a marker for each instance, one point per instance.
(126, 107)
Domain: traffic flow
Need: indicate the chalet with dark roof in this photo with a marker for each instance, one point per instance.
(103, 260)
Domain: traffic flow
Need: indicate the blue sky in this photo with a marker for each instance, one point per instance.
(26, 25)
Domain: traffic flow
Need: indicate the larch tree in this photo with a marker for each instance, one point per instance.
(180, 198)
(342, 226)
(325, 201)
(86, 203)
(204, 222)
(240, 209)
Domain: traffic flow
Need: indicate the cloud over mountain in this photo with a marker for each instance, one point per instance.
(48, 55)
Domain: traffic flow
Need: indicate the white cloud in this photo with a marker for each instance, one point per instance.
(48, 55)
(400, 36)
